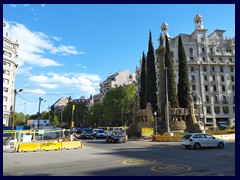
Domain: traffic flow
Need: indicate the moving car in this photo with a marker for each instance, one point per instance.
(85, 133)
(199, 140)
(116, 136)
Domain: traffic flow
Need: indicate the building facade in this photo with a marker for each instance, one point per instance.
(211, 70)
(9, 69)
(115, 80)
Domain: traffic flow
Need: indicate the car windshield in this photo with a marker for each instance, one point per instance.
(117, 133)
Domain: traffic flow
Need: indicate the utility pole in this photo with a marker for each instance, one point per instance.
(40, 99)
(15, 94)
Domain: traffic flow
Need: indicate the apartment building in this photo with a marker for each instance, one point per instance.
(115, 80)
(9, 68)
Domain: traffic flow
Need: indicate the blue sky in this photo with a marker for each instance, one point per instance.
(67, 50)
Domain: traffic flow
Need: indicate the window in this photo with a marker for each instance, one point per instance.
(231, 69)
(215, 99)
(5, 89)
(233, 109)
(212, 59)
(4, 98)
(208, 136)
(223, 88)
(230, 59)
(233, 88)
(6, 72)
(193, 78)
(6, 81)
(208, 110)
(213, 78)
(8, 54)
(203, 59)
(222, 78)
(233, 99)
(207, 98)
(232, 78)
(213, 69)
(4, 107)
(220, 59)
(203, 50)
(191, 59)
(206, 88)
(224, 99)
(221, 69)
(191, 51)
(217, 110)
(211, 50)
(194, 98)
(193, 87)
(192, 69)
(205, 78)
(215, 88)
(225, 110)
(205, 68)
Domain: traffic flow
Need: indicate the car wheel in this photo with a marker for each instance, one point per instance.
(197, 146)
(220, 145)
(187, 147)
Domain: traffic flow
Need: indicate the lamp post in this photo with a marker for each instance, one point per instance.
(155, 120)
(168, 128)
(15, 94)
(40, 100)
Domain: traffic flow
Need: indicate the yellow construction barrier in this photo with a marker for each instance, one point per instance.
(174, 138)
(46, 146)
(161, 138)
(72, 145)
(24, 147)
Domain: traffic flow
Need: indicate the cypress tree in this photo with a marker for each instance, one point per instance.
(183, 81)
(142, 93)
(151, 87)
(172, 87)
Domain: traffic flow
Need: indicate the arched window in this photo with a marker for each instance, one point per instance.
(224, 99)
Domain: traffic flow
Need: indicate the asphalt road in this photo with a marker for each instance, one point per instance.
(134, 158)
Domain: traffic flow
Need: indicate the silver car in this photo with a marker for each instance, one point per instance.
(199, 140)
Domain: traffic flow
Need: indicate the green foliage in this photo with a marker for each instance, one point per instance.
(55, 121)
(151, 86)
(19, 119)
(142, 92)
(183, 81)
(172, 91)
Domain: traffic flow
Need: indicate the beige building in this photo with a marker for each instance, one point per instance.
(9, 68)
(114, 80)
(211, 69)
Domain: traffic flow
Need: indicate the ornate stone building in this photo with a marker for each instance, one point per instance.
(211, 69)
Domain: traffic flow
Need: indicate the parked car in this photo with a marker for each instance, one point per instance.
(100, 134)
(86, 133)
(116, 136)
(199, 140)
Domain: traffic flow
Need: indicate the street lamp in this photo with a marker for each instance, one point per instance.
(155, 119)
(168, 128)
(15, 94)
(40, 100)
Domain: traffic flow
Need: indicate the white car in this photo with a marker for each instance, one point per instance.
(199, 140)
(100, 133)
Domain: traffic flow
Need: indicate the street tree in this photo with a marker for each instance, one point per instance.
(142, 93)
(183, 81)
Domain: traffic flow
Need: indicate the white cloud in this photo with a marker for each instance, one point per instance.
(23, 70)
(66, 50)
(57, 38)
(87, 83)
(49, 86)
(43, 5)
(81, 66)
(13, 5)
(35, 46)
(36, 91)
(25, 5)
